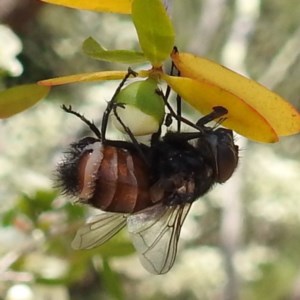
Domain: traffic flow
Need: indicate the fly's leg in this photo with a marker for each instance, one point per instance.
(130, 134)
(179, 118)
(111, 104)
(90, 124)
(218, 112)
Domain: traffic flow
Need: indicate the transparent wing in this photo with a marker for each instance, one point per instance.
(155, 232)
(98, 229)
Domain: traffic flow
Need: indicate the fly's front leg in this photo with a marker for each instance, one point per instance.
(218, 112)
(90, 124)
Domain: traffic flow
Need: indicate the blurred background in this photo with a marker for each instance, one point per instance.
(240, 241)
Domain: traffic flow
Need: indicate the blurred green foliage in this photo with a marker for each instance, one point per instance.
(38, 224)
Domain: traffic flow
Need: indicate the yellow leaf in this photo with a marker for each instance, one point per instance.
(241, 117)
(114, 6)
(279, 114)
(84, 77)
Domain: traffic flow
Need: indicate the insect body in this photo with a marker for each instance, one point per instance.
(152, 200)
(148, 188)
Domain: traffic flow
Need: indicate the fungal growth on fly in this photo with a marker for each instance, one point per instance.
(148, 188)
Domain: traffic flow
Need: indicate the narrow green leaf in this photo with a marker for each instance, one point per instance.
(94, 50)
(114, 6)
(19, 98)
(154, 29)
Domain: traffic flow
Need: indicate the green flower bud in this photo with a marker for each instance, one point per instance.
(144, 108)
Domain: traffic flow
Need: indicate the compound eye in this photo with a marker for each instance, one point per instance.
(226, 155)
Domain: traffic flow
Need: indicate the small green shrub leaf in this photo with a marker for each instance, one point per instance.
(154, 29)
(20, 98)
(94, 50)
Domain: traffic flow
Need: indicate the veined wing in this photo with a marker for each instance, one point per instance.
(155, 232)
(98, 229)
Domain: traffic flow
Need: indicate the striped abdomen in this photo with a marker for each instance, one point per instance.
(113, 179)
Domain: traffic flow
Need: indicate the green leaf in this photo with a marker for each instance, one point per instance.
(32, 206)
(154, 29)
(114, 6)
(94, 50)
(19, 98)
